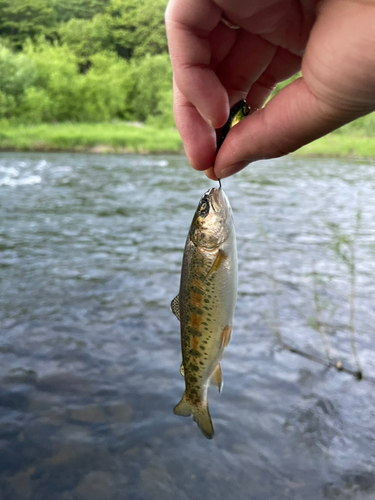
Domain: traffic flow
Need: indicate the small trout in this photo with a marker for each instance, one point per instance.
(206, 302)
(207, 298)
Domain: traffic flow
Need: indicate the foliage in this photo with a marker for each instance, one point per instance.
(62, 93)
(137, 27)
(283, 84)
(17, 73)
(86, 37)
(152, 79)
(104, 89)
(363, 127)
(84, 60)
(22, 19)
(58, 77)
(78, 9)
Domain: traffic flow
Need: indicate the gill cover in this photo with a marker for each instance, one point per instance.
(211, 222)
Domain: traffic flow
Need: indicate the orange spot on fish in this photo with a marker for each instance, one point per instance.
(194, 343)
(195, 321)
(198, 271)
(225, 336)
(197, 283)
(196, 299)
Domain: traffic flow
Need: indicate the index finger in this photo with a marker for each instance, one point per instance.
(189, 24)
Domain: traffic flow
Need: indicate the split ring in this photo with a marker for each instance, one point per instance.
(228, 23)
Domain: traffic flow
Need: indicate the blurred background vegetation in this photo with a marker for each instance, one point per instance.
(84, 61)
(101, 61)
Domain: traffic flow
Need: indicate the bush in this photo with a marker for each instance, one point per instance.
(62, 93)
(104, 88)
(36, 106)
(17, 73)
(152, 81)
(86, 37)
(58, 76)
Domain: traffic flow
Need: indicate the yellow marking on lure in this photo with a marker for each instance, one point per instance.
(238, 112)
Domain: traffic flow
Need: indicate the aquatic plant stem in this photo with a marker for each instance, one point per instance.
(275, 304)
(352, 307)
(317, 311)
(329, 364)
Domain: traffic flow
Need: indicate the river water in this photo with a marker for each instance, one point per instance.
(90, 255)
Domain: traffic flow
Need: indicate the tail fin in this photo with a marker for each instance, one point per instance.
(201, 415)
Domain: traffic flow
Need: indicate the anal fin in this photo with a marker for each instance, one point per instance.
(216, 378)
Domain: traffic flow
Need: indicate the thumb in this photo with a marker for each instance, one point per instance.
(293, 118)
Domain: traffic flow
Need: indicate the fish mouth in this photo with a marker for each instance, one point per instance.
(216, 198)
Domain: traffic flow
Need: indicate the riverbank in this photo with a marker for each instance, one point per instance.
(138, 138)
(117, 137)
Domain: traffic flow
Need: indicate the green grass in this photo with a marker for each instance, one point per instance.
(340, 145)
(357, 139)
(354, 140)
(95, 137)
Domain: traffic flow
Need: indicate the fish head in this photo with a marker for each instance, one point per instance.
(212, 221)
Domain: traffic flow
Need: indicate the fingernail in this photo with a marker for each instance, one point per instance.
(206, 119)
(209, 122)
(210, 173)
(233, 169)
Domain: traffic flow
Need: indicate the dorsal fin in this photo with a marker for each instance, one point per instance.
(175, 307)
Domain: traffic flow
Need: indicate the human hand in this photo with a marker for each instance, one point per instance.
(332, 42)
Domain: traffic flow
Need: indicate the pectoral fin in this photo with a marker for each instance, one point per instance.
(182, 370)
(220, 258)
(216, 378)
(175, 307)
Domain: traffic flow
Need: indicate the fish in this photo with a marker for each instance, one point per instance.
(205, 303)
(207, 297)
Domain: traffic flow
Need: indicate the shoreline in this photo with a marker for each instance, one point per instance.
(135, 138)
(115, 151)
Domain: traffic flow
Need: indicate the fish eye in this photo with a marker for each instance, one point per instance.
(203, 207)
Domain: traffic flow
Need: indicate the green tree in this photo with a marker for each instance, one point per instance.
(17, 73)
(62, 93)
(137, 27)
(104, 89)
(22, 19)
(152, 84)
(58, 77)
(86, 37)
(78, 9)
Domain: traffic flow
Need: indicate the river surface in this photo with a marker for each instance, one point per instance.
(90, 256)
